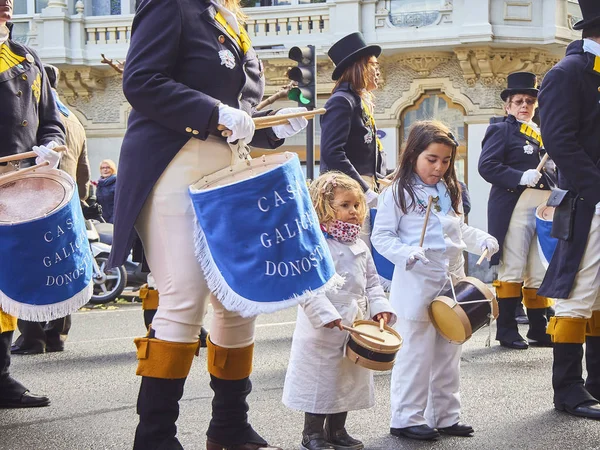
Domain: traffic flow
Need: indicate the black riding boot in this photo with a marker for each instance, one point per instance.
(336, 434)
(592, 364)
(507, 331)
(32, 339)
(158, 408)
(229, 424)
(313, 435)
(56, 334)
(537, 328)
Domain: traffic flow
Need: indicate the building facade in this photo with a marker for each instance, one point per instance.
(443, 59)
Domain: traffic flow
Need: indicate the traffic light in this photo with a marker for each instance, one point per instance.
(305, 75)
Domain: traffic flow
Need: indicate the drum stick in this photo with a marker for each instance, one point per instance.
(277, 120)
(429, 202)
(362, 333)
(309, 114)
(482, 257)
(27, 155)
(18, 173)
(381, 324)
(542, 162)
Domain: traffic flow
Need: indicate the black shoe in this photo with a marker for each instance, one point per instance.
(458, 429)
(18, 350)
(55, 348)
(420, 432)
(315, 442)
(540, 343)
(27, 400)
(590, 410)
(517, 345)
(345, 442)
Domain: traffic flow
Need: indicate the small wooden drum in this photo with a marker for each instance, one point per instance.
(457, 320)
(370, 353)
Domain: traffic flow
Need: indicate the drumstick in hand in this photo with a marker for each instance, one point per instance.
(542, 163)
(482, 257)
(362, 333)
(27, 155)
(18, 173)
(381, 324)
(429, 202)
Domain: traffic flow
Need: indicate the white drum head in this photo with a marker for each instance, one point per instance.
(34, 195)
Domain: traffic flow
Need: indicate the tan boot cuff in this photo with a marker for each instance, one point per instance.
(567, 330)
(507, 289)
(533, 301)
(164, 359)
(593, 324)
(7, 322)
(229, 363)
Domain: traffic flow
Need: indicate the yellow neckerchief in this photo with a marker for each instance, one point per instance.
(242, 39)
(367, 111)
(596, 64)
(8, 59)
(531, 133)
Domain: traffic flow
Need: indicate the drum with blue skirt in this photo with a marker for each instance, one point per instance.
(45, 257)
(545, 242)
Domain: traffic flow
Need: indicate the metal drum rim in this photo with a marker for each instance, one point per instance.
(376, 346)
(462, 316)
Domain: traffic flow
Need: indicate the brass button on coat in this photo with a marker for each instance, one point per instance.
(188, 130)
(24, 123)
(195, 132)
(19, 93)
(24, 77)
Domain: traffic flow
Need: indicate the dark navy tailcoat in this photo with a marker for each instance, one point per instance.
(344, 131)
(570, 118)
(180, 65)
(505, 155)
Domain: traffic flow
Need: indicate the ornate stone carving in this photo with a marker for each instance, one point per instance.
(492, 65)
(81, 82)
(424, 63)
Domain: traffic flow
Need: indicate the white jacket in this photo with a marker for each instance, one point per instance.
(320, 379)
(395, 235)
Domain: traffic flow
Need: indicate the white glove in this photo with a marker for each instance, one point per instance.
(598, 209)
(371, 197)
(530, 178)
(416, 254)
(296, 124)
(238, 121)
(491, 245)
(45, 153)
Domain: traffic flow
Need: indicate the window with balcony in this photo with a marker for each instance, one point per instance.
(20, 7)
(106, 7)
(436, 105)
(414, 13)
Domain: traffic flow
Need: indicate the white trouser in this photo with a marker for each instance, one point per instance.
(520, 256)
(585, 295)
(166, 228)
(425, 378)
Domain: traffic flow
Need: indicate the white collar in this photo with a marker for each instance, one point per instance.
(4, 32)
(228, 15)
(591, 47)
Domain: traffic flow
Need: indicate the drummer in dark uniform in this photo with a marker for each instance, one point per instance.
(511, 151)
(570, 115)
(190, 68)
(28, 117)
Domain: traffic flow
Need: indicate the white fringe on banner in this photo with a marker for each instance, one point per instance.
(232, 301)
(44, 313)
(385, 283)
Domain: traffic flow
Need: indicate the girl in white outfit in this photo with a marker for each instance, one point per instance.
(320, 381)
(425, 379)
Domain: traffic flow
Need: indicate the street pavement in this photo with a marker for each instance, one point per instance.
(506, 395)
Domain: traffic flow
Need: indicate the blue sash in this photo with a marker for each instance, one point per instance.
(46, 265)
(546, 243)
(259, 241)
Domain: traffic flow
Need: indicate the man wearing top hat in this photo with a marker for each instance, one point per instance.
(349, 140)
(570, 118)
(510, 154)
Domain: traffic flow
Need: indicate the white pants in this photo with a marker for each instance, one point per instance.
(520, 256)
(166, 228)
(585, 295)
(425, 378)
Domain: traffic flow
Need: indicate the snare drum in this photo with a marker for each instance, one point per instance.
(44, 254)
(457, 320)
(258, 237)
(372, 354)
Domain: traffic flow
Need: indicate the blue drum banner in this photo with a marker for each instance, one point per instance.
(46, 265)
(546, 243)
(385, 268)
(259, 241)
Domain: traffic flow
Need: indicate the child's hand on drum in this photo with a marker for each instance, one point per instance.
(335, 323)
(384, 315)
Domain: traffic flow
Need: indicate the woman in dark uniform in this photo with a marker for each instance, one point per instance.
(349, 140)
(509, 157)
(190, 67)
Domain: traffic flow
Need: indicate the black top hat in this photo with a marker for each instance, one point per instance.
(520, 83)
(591, 14)
(348, 50)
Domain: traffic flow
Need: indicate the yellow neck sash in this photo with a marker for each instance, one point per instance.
(242, 39)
